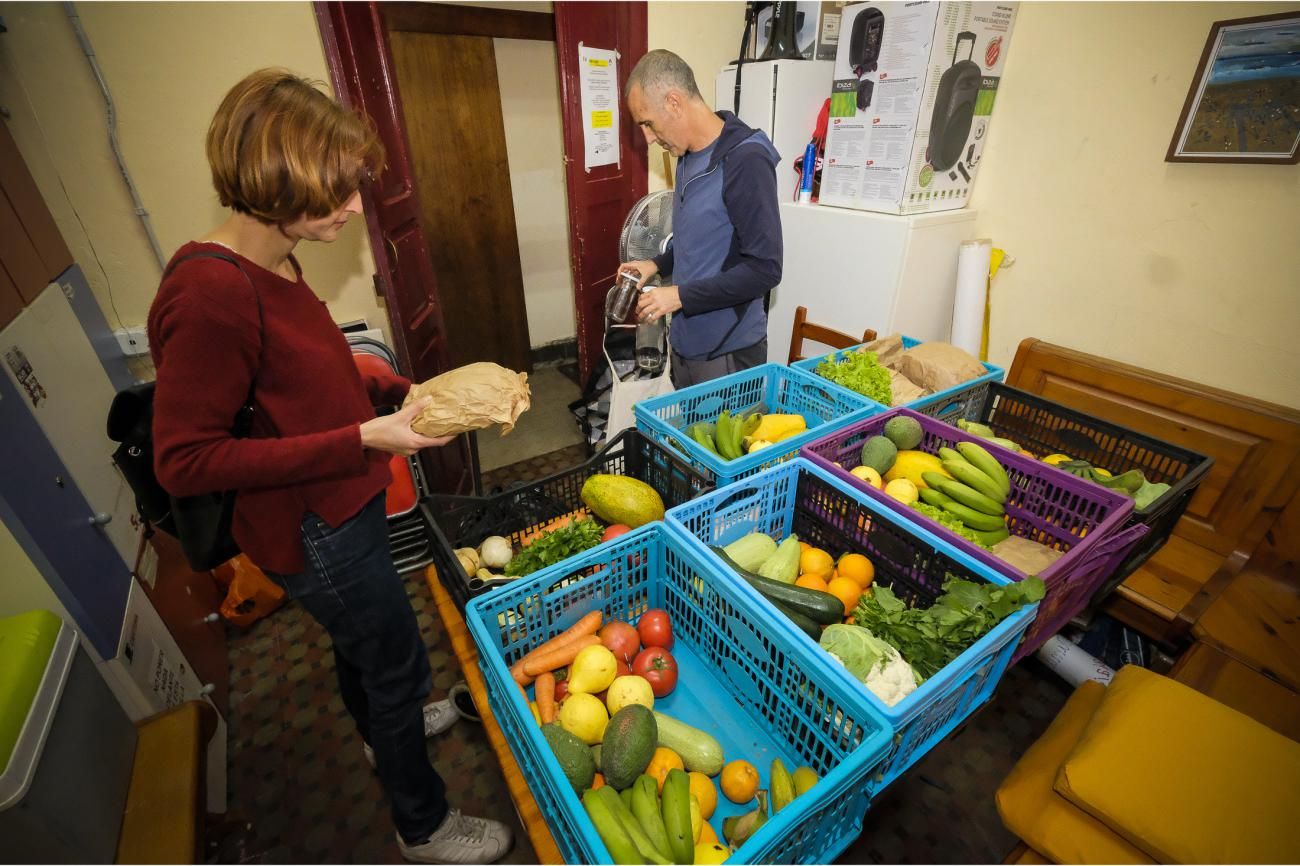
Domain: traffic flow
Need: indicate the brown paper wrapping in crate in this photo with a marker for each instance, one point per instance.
(939, 366)
(888, 350)
(470, 398)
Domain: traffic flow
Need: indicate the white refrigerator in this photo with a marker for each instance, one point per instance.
(855, 270)
(782, 98)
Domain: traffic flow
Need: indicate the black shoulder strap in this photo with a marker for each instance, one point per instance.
(244, 422)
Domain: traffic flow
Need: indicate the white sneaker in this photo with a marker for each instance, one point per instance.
(461, 839)
(438, 717)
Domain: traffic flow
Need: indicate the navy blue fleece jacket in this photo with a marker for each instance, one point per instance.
(726, 249)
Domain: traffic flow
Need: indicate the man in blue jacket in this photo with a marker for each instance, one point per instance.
(726, 249)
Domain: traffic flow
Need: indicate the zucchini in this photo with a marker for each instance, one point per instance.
(699, 751)
(801, 622)
(820, 607)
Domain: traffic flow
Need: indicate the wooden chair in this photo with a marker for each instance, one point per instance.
(805, 330)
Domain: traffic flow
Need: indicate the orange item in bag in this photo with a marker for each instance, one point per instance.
(251, 595)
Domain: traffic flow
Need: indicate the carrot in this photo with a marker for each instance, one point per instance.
(546, 697)
(517, 673)
(588, 625)
(552, 525)
(558, 657)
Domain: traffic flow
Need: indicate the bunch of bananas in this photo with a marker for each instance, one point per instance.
(1128, 483)
(732, 436)
(639, 826)
(976, 494)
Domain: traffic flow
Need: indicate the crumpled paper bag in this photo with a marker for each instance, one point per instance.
(888, 350)
(903, 389)
(1028, 556)
(470, 398)
(939, 366)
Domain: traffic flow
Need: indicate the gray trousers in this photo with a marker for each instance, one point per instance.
(693, 371)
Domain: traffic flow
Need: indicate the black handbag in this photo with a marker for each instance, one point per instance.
(201, 523)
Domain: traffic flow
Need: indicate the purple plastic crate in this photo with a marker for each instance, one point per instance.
(1047, 505)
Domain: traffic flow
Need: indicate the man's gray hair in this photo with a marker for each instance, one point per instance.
(660, 71)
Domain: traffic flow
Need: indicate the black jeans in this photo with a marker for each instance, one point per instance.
(693, 371)
(351, 587)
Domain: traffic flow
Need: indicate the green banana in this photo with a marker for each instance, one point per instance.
(974, 428)
(972, 477)
(645, 806)
(946, 453)
(930, 496)
(677, 816)
(703, 435)
(1129, 482)
(610, 829)
(992, 537)
(967, 496)
(626, 796)
(974, 519)
(985, 462)
(728, 436)
(642, 843)
(1007, 444)
(782, 786)
(750, 425)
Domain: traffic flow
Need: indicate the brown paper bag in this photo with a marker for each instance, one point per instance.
(888, 349)
(939, 366)
(903, 389)
(1028, 556)
(471, 398)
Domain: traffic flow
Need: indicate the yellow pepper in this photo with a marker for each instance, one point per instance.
(774, 428)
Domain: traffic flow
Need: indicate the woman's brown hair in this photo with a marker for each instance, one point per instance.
(279, 149)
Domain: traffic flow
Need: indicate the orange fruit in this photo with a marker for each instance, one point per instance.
(803, 545)
(598, 781)
(663, 761)
(705, 791)
(846, 589)
(811, 581)
(815, 561)
(858, 567)
(739, 781)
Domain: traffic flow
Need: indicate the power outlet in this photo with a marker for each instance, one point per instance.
(133, 341)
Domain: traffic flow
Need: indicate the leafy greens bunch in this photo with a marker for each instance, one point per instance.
(858, 371)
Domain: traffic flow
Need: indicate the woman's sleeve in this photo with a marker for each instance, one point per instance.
(386, 390)
(208, 350)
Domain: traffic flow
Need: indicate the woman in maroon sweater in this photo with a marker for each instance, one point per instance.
(233, 316)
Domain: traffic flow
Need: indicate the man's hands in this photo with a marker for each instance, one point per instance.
(393, 433)
(658, 302)
(645, 267)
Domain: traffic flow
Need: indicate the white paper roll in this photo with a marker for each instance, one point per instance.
(1074, 665)
(971, 295)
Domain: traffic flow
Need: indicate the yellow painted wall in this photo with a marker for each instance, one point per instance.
(1188, 269)
(22, 587)
(530, 108)
(168, 65)
(706, 35)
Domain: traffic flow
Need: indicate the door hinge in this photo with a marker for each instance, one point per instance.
(381, 287)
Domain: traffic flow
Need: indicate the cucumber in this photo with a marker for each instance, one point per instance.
(820, 607)
(699, 751)
(801, 622)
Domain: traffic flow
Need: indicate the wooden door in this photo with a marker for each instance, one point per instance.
(362, 71)
(599, 199)
(452, 103)
(32, 252)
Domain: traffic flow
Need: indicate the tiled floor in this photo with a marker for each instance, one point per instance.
(547, 426)
(305, 793)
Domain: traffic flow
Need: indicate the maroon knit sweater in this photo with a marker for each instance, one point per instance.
(304, 452)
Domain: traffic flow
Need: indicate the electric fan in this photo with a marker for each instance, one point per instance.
(648, 227)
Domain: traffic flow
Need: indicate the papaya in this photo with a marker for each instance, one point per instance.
(620, 499)
(910, 465)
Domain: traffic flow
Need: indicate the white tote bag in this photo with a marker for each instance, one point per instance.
(624, 395)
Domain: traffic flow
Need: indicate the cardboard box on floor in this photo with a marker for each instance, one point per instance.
(913, 94)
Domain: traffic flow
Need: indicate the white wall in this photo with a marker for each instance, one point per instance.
(530, 106)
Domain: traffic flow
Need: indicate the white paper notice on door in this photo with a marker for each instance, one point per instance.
(599, 105)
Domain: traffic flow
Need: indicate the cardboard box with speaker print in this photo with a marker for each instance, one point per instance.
(911, 101)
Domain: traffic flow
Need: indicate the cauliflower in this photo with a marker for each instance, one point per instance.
(873, 661)
(893, 680)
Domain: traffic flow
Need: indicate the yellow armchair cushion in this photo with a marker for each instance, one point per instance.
(1045, 820)
(1185, 778)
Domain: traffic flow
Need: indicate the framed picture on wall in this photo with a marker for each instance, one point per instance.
(1244, 102)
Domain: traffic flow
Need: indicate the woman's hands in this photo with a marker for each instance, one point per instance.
(393, 433)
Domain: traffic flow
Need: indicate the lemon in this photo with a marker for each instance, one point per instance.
(1054, 459)
(593, 670)
(869, 475)
(584, 716)
(804, 779)
(629, 690)
(902, 490)
(711, 855)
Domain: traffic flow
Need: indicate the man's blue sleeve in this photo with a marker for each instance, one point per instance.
(664, 261)
(749, 193)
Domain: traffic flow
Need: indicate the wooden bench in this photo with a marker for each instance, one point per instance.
(1254, 480)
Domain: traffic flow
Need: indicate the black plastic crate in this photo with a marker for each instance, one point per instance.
(464, 521)
(1046, 427)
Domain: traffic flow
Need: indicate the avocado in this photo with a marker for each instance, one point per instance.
(620, 499)
(573, 756)
(879, 453)
(904, 432)
(630, 740)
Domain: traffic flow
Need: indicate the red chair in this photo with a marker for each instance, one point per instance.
(402, 495)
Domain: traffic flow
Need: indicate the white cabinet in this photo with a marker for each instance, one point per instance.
(855, 270)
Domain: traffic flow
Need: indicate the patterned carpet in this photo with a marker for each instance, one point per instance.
(302, 792)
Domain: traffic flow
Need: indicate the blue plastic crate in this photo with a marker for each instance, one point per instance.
(744, 677)
(959, 401)
(780, 389)
(803, 498)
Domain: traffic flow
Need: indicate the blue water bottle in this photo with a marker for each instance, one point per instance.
(809, 168)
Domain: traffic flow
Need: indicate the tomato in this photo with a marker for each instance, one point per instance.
(615, 531)
(655, 629)
(621, 639)
(561, 690)
(658, 668)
